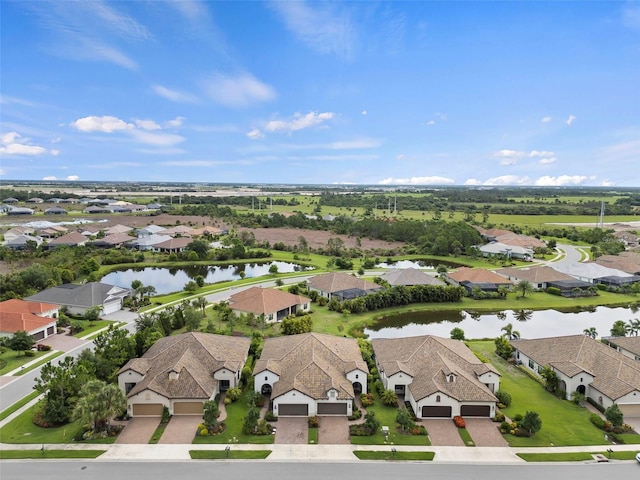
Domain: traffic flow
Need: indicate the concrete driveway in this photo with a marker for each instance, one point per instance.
(333, 431)
(181, 429)
(485, 432)
(138, 430)
(292, 430)
(442, 432)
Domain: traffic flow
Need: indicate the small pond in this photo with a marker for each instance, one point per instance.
(167, 280)
(431, 264)
(530, 324)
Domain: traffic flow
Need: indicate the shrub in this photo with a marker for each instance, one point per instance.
(166, 416)
(29, 353)
(614, 415)
(503, 397)
(357, 413)
(459, 421)
(597, 420)
(367, 399)
(270, 417)
(499, 417)
(505, 426)
(233, 394)
(203, 432)
(389, 398)
(314, 422)
(517, 417)
(43, 347)
(554, 291)
(418, 430)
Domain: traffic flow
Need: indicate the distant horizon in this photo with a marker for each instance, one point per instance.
(388, 93)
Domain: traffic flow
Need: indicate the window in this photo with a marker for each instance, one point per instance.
(600, 400)
(437, 398)
(531, 364)
(356, 375)
(266, 378)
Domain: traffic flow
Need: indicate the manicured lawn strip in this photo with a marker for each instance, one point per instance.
(17, 359)
(236, 412)
(46, 454)
(387, 417)
(312, 435)
(389, 455)
(94, 327)
(37, 364)
(23, 430)
(232, 454)
(18, 405)
(630, 438)
(574, 456)
(563, 423)
(155, 438)
(466, 437)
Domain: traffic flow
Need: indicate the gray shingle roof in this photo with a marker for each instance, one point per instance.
(337, 282)
(409, 276)
(87, 295)
(429, 359)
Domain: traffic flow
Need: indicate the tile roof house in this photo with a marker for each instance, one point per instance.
(588, 366)
(311, 374)
(113, 240)
(80, 298)
(149, 230)
(21, 242)
(55, 211)
(538, 276)
(71, 239)
(629, 346)
(117, 229)
(148, 242)
(510, 238)
(36, 318)
(494, 249)
(469, 278)
(173, 245)
(626, 261)
(409, 277)
(439, 377)
(274, 304)
(592, 272)
(181, 372)
(341, 286)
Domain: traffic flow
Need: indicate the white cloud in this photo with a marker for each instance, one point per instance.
(511, 157)
(507, 180)
(176, 122)
(73, 178)
(608, 183)
(157, 139)
(319, 25)
(431, 122)
(545, 119)
(473, 181)
(174, 95)
(54, 152)
(255, 134)
(441, 116)
(14, 144)
(548, 181)
(434, 180)
(106, 124)
(298, 122)
(364, 112)
(238, 91)
(50, 178)
(401, 156)
(147, 124)
(547, 160)
(355, 144)
(570, 120)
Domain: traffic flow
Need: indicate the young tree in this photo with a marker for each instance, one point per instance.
(404, 419)
(21, 341)
(503, 348)
(457, 334)
(509, 332)
(524, 287)
(531, 422)
(211, 414)
(192, 319)
(591, 332)
(614, 415)
(98, 402)
(93, 314)
(551, 380)
(389, 398)
(619, 329)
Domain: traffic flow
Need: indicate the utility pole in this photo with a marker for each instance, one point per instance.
(601, 224)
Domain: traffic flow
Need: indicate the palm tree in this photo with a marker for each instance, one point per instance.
(591, 332)
(525, 287)
(98, 402)
(523, 315)
(201, 303)
(633, 327)
(510, 333)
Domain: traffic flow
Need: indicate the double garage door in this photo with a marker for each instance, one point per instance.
(155, 409)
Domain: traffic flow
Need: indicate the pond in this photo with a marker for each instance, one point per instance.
(430, 263)
(168, 280)
(538, 324)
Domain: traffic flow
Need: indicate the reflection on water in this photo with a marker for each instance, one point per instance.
(167, 280)
(530, 324)
(418, 264)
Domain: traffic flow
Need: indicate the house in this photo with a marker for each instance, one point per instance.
(591, 272)
(470, 278)
(311, 374)
(628, 346)
(37, 319)
(113, 240)
(173, 245)
(570, 288)
(341, 286)
(96, 210)
(439, 377)
(510, 238)
(55, 211)
(20, 211)
(35, 200)
(408, 277)
(628, 262)
(148, 242)
(274, 304)
(179, 231)
(22, 242)
(72, 239)
(149, 230)
(629, 239)
(80, 298)
(539, 276)
(117, 229)
(18, 231)
(587, 366)
(10, 200)
(497, 249)
(182, 372)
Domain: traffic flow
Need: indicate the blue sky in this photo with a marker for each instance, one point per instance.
(422, 93)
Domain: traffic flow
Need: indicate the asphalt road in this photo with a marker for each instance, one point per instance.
(96, 470)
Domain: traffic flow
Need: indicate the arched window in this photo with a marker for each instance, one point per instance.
(437, 398)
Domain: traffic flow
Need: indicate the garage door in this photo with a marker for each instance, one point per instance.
(332, 409)
(111, 307)
(475, 410)
(293, 409)
(630, 410)
(147, 409)
(440, 411)
(38, 335)
(188, 408)
(50, 330)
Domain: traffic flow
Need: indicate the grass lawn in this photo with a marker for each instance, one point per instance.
(92, 327)
(38, 363)
(312, 435)
(23, 430)
(387, 417)
(19, 404)
(47, 454)
(563, 422)
(466, 437)
(155, 438)
(231, 454)
(574, 456)
(236, 412)
(630, 438)
(15, 359)
(384, 455)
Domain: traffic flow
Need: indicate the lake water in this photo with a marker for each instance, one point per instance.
(543, 323)
(422, 264)
(168, 280)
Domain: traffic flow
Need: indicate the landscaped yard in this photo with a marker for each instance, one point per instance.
(15, 359)
(47, 454)
(563, 422)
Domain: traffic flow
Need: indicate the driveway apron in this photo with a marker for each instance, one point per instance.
(484, 432)
(443, 432)
(333, 431)
(138, 430)
(181, 429)
(292, 430)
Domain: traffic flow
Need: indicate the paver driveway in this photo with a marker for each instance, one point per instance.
(485, 432)
(333, 431)
(442, 432)
(292, 430)
(181, 429)
(138, 430)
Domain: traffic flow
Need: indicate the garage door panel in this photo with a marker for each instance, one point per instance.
(475, 410)
(436, 411)
(188, 408)
(293, 409)
(332, 409)
(630, 410)
(147, 409)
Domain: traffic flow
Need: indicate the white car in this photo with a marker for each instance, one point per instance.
(638, 457)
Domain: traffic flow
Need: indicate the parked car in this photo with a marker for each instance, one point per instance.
(638, 457)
